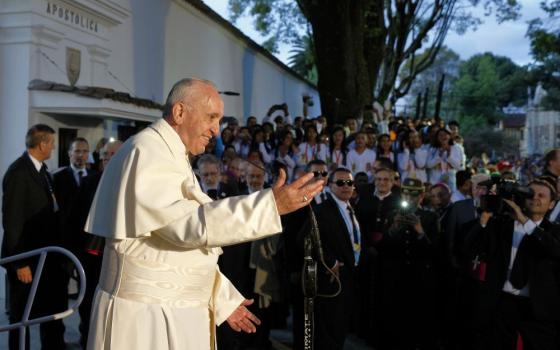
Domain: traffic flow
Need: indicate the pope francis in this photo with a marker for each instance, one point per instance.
(160, 286)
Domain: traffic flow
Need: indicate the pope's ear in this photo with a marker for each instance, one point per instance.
(177, 113)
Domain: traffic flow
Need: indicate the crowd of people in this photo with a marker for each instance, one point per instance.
(412, 253)
(407, 277)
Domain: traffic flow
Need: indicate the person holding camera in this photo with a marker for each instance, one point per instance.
(407, 276)
(520, 282)
(444, 159)
(271, 116)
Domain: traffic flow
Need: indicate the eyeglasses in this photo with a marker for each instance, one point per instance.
(320, 173)
(209, 174)
(341, 183)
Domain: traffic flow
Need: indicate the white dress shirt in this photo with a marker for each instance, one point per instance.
(555, 214)
(519, 231)
(38, 165)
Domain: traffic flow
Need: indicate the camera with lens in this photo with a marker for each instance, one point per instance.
(308, 100)
(406, 215)
(505, 189)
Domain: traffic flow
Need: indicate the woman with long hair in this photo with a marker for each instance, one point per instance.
(444, 159)
(311, 149)
(259, 143)
(385, 148)
(227, 137)
(285, 152)
(336, 157)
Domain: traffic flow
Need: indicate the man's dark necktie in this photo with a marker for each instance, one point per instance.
(355, 233)
(323, 197)
(45, 178)
(212, 193)
(80, 177)
(47, 184)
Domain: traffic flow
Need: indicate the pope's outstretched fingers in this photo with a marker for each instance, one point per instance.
(296, 195)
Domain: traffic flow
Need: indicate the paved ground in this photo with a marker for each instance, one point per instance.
(281, 339)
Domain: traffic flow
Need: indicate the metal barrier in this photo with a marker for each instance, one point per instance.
(25, 322)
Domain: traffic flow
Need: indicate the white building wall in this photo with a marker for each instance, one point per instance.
(543, 130)
(15, 67)
(196, 46)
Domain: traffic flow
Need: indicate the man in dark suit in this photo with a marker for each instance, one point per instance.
(210, 178)
(30, 221)
(341, 243)
(319, 170)
(67, 182)
(457, 284)
(407, 276)
(374, 209)
(522, 279)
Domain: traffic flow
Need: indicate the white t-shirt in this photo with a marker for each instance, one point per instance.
(360, 162)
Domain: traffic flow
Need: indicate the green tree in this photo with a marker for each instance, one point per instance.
(302, 60)
(486, 84)
(360, 46)
(544, 34)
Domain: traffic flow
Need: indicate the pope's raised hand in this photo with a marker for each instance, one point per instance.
(296, 195)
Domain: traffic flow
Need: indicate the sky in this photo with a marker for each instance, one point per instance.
(506, 39)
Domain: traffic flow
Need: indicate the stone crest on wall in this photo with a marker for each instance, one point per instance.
(73, 64)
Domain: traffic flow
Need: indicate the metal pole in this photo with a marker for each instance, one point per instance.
(439, 97)
(418, 105)
(30, 299)
(25, 322)
(309, 281)
(425, 107)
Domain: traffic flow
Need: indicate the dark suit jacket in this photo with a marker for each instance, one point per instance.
(335, 243)
(454, 229)
(79, 213)
(28, 215)
(225, 190)
(541, 253)
(408, 260)
(335, 314)
(375, 216)
(67, 192)
(65, 187)
(334, 233)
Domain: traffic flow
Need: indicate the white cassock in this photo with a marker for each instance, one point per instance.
(160, 286)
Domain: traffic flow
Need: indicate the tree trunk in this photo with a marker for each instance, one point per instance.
(344, 83)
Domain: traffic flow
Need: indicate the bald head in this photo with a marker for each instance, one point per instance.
(194, 109)
(108, 151)
(185, 89)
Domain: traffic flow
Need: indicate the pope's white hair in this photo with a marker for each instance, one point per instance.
(181, 90)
